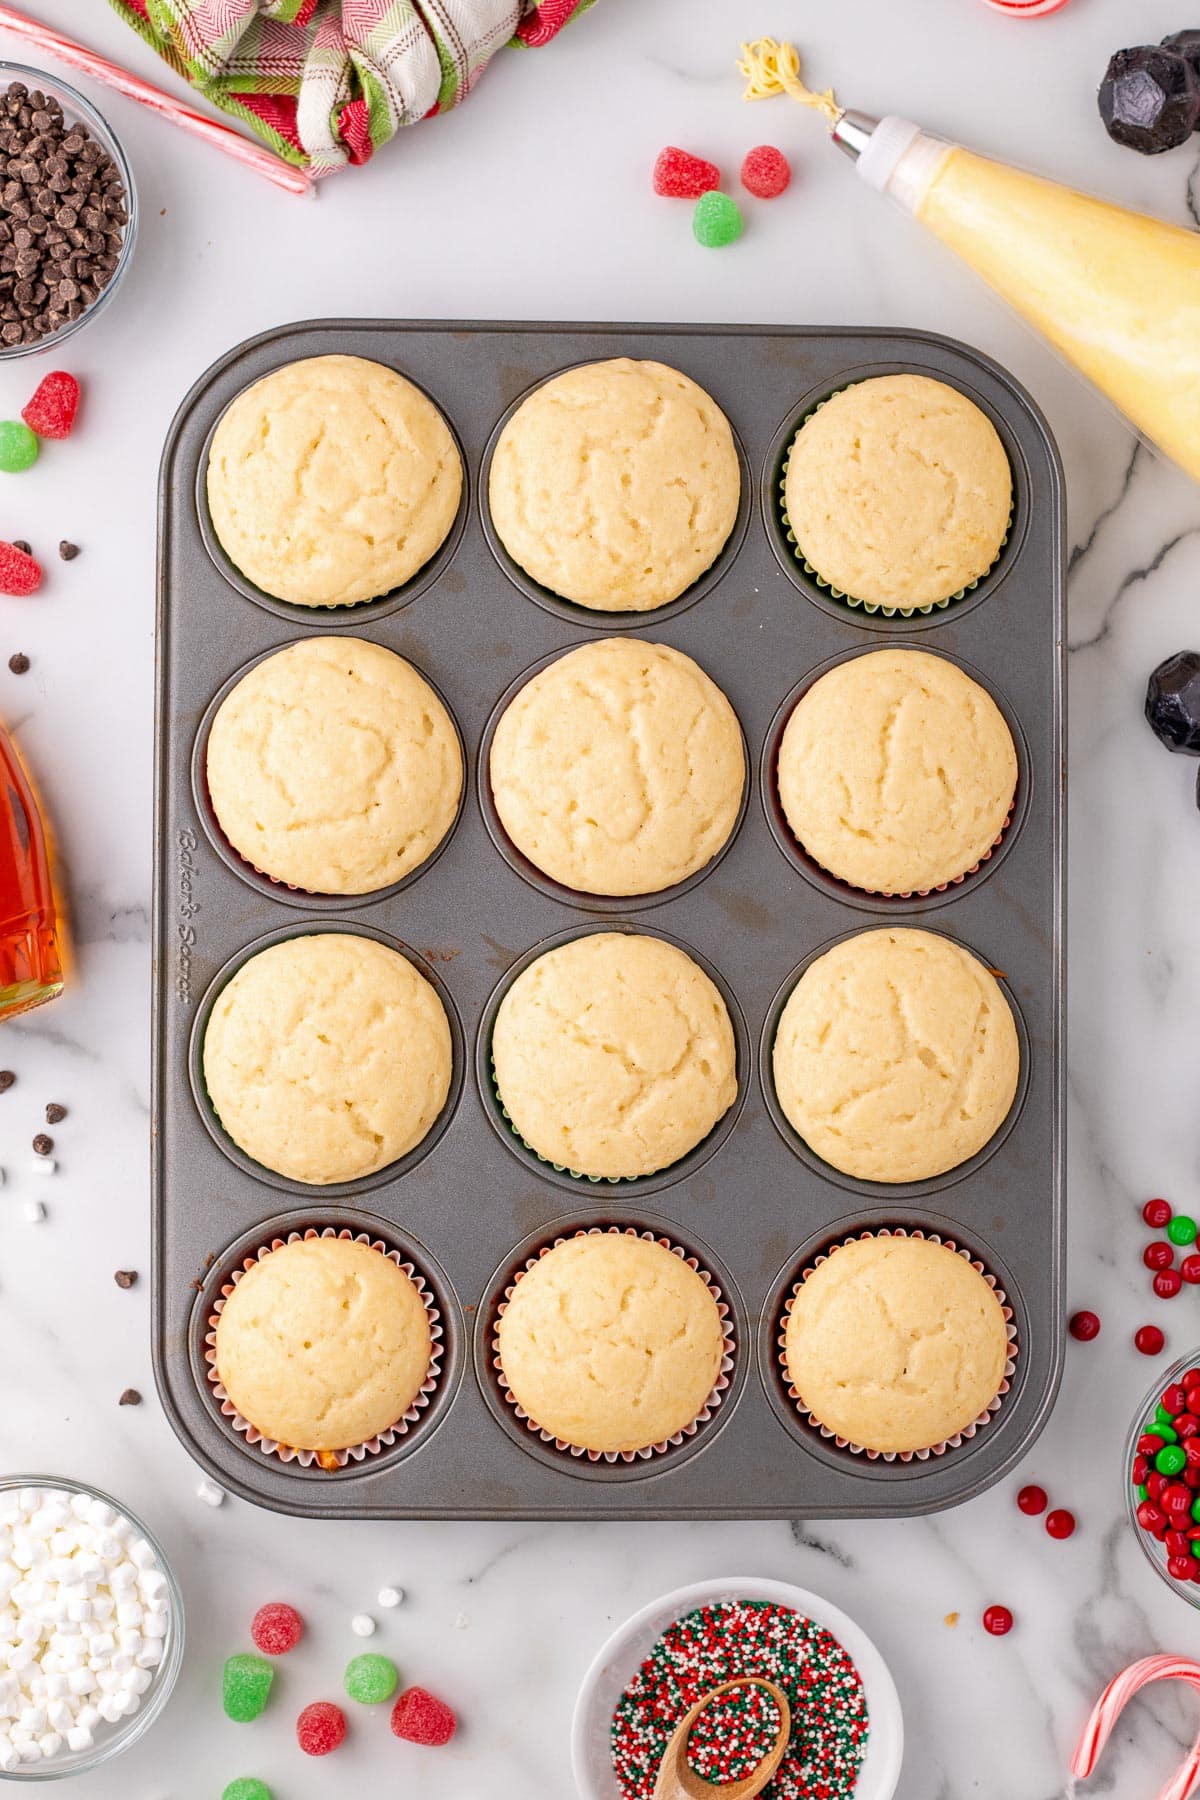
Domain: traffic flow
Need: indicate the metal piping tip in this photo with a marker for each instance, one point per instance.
(853, 132)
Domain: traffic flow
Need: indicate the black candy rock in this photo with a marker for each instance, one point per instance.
(1187, 43)
(1173, 702)
(1150, 99)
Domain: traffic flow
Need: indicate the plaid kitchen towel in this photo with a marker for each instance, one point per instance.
(325, 82)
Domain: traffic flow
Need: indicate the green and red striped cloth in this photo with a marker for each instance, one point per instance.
(325, 82)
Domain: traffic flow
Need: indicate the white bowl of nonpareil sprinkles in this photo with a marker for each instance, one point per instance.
(91, 1628)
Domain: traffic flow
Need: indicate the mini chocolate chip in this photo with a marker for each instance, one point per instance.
(55, 1114)
(68, 551)
(125, 1278)
(20, 544)
(130, 1397)
(43, 1144)
(6, 1080)
(18, 664)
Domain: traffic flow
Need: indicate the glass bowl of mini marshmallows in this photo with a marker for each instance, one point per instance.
(91, 1628)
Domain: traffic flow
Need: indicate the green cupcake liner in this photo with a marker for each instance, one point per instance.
(561, 1168)
(835, 593)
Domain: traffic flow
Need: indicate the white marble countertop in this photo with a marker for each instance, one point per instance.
(534, 201)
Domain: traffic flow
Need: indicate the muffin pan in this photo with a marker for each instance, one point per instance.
(747, 1203)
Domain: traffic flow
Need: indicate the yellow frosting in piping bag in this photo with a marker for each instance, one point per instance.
(1117, 292)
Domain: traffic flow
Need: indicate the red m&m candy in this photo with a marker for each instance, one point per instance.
(1158, 1255)
(1149, 1340)
(998, 1620)
(1167, 1283)
(1032, 1500)
(1060, 1523)
(1157, 1213)
(1084, 1326)
(1189, 1268)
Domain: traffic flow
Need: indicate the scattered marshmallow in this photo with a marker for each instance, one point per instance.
(391, 1596)
(34, 1211)
(462, 1620)
(42, 1165)
(84, 1617)
(362, 1625)
(210, 1493)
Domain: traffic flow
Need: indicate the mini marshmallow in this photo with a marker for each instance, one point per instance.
(123, 1577)
(390, 1596)
(150, 1655)
(130, 1612)
(362, 1625)
(152, 1583)
(79, 1737)
(103, 1643)
(154, 1625)
(81, 1681)
(129, 1638)
(108, 1681)
(79, 1611)
(34, 1212)
(59, 1716)
(112, 1708)
(143, 1556)
(88, 1716)
(33, 1720)
(9, 1754)
(137, 1680)
(50, 1744)
(210, 1493)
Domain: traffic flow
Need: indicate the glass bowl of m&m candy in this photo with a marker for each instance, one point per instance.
(1162, 1475)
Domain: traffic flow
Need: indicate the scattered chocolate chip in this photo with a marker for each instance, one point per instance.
(63, 216)
(130, 1397)
(68, 551)
(6, 1080)
(55, 1114)
(125, 1278)
(20, 544)
(42, 1144)
(18, 663)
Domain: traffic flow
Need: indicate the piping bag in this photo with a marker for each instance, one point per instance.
(1117, 292)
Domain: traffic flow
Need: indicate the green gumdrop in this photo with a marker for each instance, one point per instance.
(245, 1685)
(717, 220)
(18, 446)
(1182, 1230)
(247, 1787)
(371, 1679)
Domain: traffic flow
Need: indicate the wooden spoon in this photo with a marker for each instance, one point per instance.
(678, 1781)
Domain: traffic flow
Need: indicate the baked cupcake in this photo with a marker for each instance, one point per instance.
(333, 766)
(327, 1057)
(619, 769)
(615, 484)
(896, 1344)
(611, 1343)
(896, 772)
(332, 480)
(614, 1055)
(323, 1343)
(898, 492)
(896, 1057)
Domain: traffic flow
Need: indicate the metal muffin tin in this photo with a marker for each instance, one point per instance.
(469, 1209)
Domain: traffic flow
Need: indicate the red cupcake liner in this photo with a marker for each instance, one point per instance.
(950, 1443)
(719, 1386)
(327, 1459)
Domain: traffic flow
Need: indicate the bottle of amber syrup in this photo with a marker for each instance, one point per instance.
(31, 930)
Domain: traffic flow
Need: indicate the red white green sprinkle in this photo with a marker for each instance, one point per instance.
(745, 1637)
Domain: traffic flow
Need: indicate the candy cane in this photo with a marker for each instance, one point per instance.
(1112, 1702)
(78, 56)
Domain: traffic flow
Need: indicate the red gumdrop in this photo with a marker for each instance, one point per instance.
(678, 175)
(320, 1728)
(1167, 1283)
(1060, 1523)
(51, 412)
(1150, 1517)
(1158, 1255)
(276, 1628)
(1181, 1567)
(1149, 1340)
(1084, 1326)
(765, 171)
(999, 1621)
(1032, 1500)
(1174, 1398)
(1189, 1268)
(421, 1718)
(19, 573)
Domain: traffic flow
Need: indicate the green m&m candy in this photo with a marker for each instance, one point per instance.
(370, 1679)
(1170, 1460)
(1181, 1229)
(245, 1685)
(18, 446)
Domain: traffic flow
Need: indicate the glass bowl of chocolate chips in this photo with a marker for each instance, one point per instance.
(67, 211)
